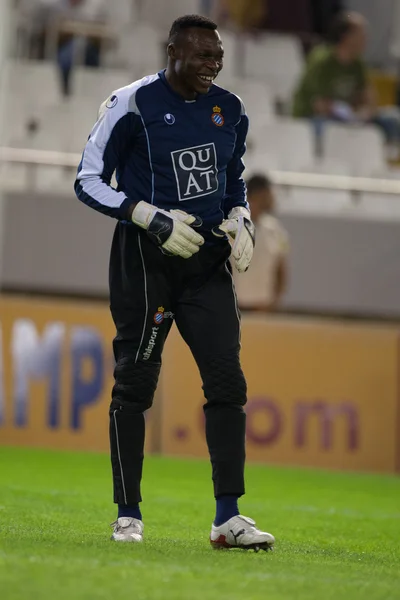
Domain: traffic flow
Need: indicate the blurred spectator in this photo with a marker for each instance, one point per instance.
(207, 7)
(335, 84)
(46, 18)
(69, 45)
(242, 14)
(262, 286)
(323, 14)
(286, 16)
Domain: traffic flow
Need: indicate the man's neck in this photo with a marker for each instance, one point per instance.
(255, 217)
(343, 55)
(177, 86)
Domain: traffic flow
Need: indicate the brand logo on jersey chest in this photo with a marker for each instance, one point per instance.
(196, 171)
(169, 119)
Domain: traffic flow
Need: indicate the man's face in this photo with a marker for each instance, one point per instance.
(198, 56)
(356, 40)
(261, 201)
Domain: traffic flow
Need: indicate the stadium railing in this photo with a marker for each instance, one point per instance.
(354, 185)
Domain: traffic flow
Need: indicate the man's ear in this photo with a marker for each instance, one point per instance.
(171, 51)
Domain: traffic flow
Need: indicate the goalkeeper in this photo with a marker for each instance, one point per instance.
(176, 142)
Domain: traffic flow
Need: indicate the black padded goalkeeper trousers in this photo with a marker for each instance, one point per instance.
(148, 291)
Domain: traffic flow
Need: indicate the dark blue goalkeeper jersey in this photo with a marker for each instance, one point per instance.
(166, 151)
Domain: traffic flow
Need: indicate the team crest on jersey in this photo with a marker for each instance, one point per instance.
(159, 316)
(217, 117)
(195, 171)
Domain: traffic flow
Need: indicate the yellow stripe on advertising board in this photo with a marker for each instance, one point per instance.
(321, 394)
(56, 374)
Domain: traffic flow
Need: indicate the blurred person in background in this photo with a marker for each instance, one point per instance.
(334, 85)
(242, 15)
(93, 11)
(40, 19)
(286, 16)
(261, 287)
(323, 13)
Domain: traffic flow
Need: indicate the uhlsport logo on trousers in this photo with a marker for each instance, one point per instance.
(196, 171)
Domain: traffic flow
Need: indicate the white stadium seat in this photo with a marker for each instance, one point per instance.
(325, 202)
(31, 89)
(276, 59)
(289, 143)
(142, 48)
(123, 12)
(327, 166)
(259, 163)
(362, 148)
(94, 86)
(163, 13)
(232, 53)
(383, 207)
(256, 97)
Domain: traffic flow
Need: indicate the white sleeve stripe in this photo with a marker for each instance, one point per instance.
(93, 160)
(101, 192)
(92, 166)
(90, 178)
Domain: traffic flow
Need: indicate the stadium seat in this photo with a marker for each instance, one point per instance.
(162, 14)
(304, 200)
(232, 53)
(255, 95)
(259, 163)
(142, 48)
(95, 85)
(123, 12)
(384, 207)
(32, 87)
(327, 166)
(33, 84)
(362, 148)
(289, 142)
(276, 59)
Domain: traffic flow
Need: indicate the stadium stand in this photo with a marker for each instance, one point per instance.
(303, 200)
(378, 207)
(38, 117)
(264, 57)
(350, 144)
(289, 141)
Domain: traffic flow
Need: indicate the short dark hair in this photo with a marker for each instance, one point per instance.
(257, 183)
(342, 24)
(188, 21)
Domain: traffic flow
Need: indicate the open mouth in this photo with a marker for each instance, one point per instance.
(206, 79)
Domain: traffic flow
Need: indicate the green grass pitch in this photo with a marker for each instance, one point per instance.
(338, 535)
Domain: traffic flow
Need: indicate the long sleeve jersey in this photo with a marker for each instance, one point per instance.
(167, 151)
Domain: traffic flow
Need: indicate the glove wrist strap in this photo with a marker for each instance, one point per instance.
(239, 211)
(143, 214)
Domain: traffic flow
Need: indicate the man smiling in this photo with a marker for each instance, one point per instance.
(176, 141)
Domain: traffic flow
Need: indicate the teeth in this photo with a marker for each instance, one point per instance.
(205, 78)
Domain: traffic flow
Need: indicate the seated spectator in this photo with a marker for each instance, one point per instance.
(242, 15)
(323, 12)
(286, 16)
(78, 11)
(263, 285)
(335, 84)
(41, 19)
